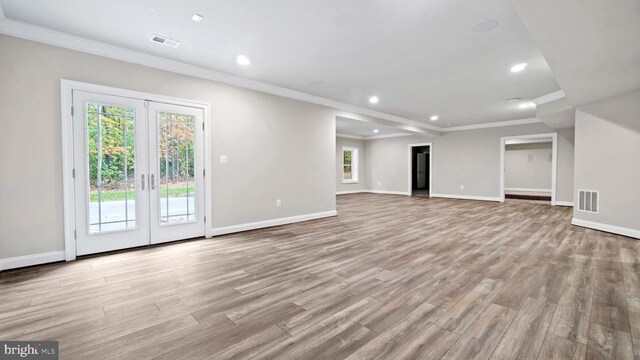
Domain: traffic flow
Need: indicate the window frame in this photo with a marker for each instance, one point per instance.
(354, 164)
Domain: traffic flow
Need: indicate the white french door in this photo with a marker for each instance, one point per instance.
(176, 149)
(138, 172)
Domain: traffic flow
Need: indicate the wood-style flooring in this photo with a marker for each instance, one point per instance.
(391, 277)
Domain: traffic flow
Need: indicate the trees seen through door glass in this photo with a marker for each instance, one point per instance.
(111, 167)
(177, 168)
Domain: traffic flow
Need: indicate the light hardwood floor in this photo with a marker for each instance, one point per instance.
(391, 277)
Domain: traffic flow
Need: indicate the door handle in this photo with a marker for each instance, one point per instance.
(152, 181)
(142, 181)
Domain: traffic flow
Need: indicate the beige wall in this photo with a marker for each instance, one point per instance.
(608, 160)
(278, 148)
(470, 158)
(528, 166)
(340, 143)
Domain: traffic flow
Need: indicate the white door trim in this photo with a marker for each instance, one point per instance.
(66, 101)
(410, 163)
(527, 139)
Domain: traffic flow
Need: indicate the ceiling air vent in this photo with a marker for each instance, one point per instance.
(588, 201)
(165, 41)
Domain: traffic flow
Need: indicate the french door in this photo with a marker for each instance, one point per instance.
(138, 172)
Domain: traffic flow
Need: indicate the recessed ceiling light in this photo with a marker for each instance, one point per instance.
(197, 17)
(484, 26)
(434, 117)
(518, 67)
(243, 60)
(374, 99)
(527, 105)
(376, 130)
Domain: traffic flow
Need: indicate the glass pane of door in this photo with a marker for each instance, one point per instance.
(111, 167)
(176, 183)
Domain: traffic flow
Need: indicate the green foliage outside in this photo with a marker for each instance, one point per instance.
(111, 134)
(174, 190)
(346, 161)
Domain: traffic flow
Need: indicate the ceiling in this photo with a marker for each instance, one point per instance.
(365, 129)
(419, 57)
(593, 46)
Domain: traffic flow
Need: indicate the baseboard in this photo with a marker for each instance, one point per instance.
(30, 260)
(270, 223)
(528, 190)
(350, 192)
(608, 228)
(388, 192)
(373, 192)
(466, 197)
(564, 203)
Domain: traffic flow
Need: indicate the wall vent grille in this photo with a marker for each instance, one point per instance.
(589, 201)
(165, 41)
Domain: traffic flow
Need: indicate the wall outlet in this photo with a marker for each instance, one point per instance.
(224, 159)
(461, 187)
(278, 203)
(379, 183)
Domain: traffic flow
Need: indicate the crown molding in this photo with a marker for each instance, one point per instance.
(493, 125)
(349, 136)
(64, 40)
(387, 136)
(556, 95)
(374, 137)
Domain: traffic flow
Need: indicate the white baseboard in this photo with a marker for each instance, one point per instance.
(373, 192)
(29, 260)
(351, 192)
(564, 203)
(528, 190)
(270, 223)
(388, 192)
(466, 197)
(608, 228)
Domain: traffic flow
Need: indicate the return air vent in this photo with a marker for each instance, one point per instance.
(165, 41)
(588, 201)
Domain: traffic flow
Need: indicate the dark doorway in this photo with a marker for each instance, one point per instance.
(420, 170)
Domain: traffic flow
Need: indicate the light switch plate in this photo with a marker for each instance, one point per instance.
(223, 159)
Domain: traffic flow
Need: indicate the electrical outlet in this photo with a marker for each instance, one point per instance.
(379, 183)
(278, 203)
(224, 159)
(461, 187)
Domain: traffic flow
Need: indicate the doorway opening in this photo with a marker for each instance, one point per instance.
(420, 170)
(528, 168)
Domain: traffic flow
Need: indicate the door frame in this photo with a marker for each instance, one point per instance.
(68, 180)
(410, 163)
(532, 138)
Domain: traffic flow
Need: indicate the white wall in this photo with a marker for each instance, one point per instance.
(528, 166)
(360, 185)
(608, 160)
(470, 158)
(278, 148)
(566, 154)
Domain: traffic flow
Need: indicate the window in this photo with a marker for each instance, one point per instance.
(349, 165)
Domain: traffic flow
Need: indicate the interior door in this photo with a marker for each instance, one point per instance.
(176, 148)
(421, 166)
(110, 165)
